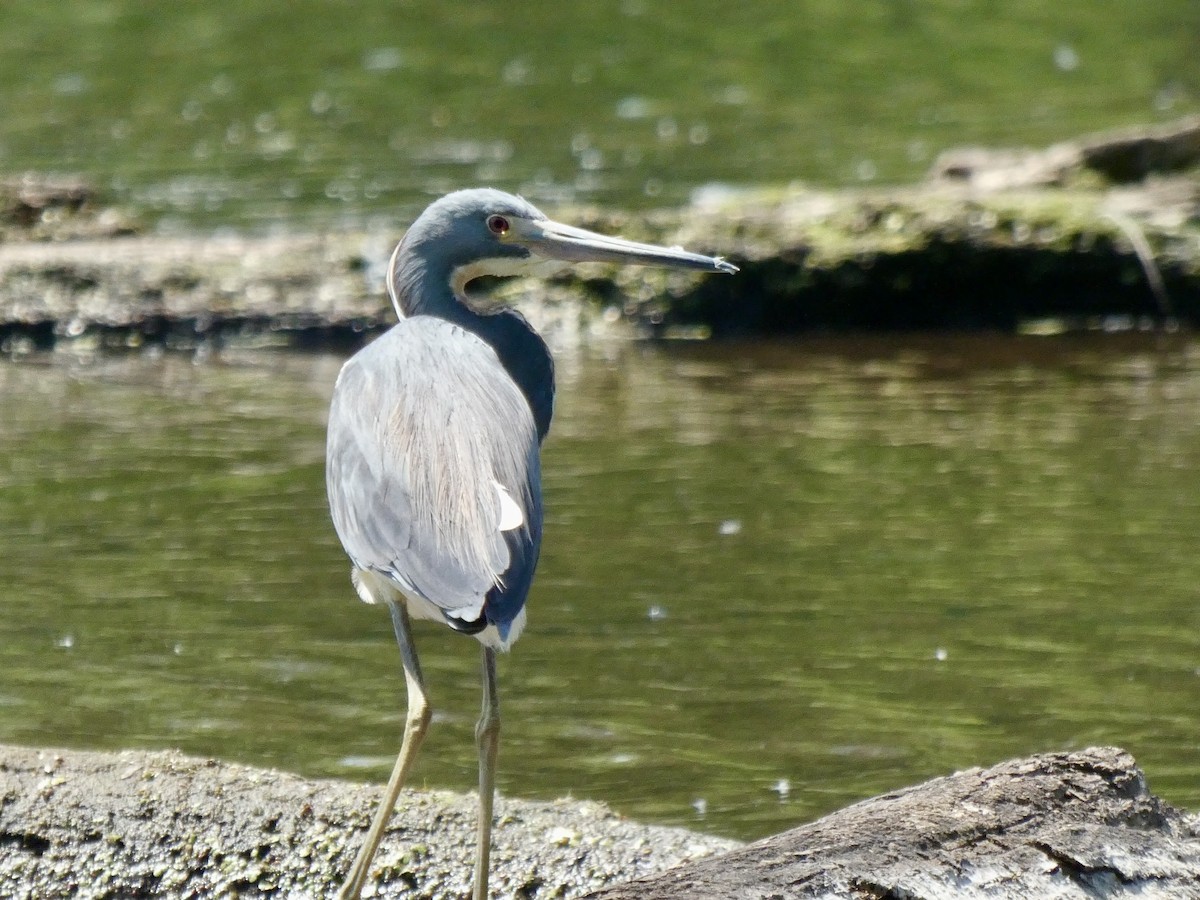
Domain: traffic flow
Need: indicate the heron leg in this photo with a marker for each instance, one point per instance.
(415, 726)
(487, 735)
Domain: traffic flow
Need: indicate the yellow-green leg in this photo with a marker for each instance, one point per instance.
(415, 726)
(487, 735)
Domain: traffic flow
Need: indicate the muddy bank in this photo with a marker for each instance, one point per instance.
(1103, 231)
(138, 824)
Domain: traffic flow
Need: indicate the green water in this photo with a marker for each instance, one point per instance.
(270, 112)
(775, 579)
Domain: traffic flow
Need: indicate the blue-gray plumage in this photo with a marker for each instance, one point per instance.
(431, 440)
(433, 466)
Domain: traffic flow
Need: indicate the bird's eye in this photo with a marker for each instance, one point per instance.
(497, 224)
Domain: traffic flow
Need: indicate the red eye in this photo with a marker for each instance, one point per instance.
(497, 224)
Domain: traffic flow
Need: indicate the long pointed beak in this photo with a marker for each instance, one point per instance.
(565, 242)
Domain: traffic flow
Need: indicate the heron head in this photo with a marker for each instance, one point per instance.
(478, 232)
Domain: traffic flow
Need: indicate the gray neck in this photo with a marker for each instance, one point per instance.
(417, 290)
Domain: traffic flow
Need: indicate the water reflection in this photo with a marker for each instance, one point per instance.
(775, 579)
(264, 114)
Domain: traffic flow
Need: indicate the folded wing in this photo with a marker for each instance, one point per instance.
(433, 473)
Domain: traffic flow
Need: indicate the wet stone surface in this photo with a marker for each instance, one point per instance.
(141, 824)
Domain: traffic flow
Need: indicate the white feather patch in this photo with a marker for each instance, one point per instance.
(510, 513)
(503, 267)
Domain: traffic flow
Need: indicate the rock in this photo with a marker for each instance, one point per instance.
(137, 825)
(1121, 156)
(104, 826)
(290, 290)
(56, 207)
(1101, 232)
(1068, 826)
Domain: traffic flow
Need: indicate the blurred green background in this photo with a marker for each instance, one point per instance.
(304, 113)
(776, 579)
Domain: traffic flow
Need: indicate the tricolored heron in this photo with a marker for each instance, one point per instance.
(433, 467)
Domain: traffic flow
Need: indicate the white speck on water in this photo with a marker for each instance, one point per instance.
(700, 805)
(633, 108)
(1065, 58)
(320, 103)
(70, 84)
(221, 86)
(940, 654)
(235, 133)
(382, 59)
(730, 527)
(1168, 97)
(656, 613)
(364, 762)
(517, 72)
(591, 159)
(66, 642)
(782, 787)
(733, 95)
